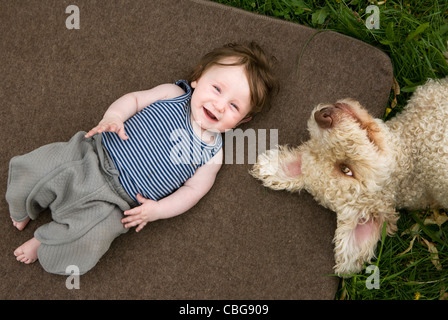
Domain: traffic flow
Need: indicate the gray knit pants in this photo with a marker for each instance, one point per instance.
(79, 184)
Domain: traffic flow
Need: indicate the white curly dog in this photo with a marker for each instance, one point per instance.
(363, 168)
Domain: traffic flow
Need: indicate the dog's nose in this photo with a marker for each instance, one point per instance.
(323, 117)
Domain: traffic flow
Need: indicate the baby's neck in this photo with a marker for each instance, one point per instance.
(206, 136)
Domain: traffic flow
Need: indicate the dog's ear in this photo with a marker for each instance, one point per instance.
(355, 243)
(280, 169)
(357, 233)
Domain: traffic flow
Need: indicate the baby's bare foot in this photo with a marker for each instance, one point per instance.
(27, 252)
(20, 225)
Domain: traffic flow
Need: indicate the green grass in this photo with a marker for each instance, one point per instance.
(414, 35)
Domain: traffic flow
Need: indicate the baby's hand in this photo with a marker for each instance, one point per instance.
(141, 215)
(109, 124)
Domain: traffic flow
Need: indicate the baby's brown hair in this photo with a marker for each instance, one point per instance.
(258, 66)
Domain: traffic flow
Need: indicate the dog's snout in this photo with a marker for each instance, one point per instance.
(324, 118)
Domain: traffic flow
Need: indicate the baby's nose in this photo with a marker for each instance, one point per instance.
(219, 106)
(324, 118)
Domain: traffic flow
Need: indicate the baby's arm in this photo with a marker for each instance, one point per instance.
(130, 104)
(179, 201)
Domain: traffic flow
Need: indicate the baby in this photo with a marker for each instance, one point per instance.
(153, 156)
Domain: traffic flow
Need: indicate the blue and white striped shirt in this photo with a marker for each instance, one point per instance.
(162, 151)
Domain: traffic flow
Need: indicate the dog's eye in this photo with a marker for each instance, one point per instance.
(346, 170)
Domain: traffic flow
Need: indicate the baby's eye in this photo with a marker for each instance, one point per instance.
(234, 106)
(346, 170)
(217, 89)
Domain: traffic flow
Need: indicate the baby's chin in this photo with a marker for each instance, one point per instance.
(214, 130)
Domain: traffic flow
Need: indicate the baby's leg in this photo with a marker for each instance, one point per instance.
(27, 193)
(84, 252)
(27, 252)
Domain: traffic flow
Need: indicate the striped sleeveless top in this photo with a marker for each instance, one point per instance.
(162, 151)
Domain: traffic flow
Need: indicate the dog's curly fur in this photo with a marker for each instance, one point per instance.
(363, 168)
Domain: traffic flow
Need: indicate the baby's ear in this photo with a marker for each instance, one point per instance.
(244, 120)
(280, 169)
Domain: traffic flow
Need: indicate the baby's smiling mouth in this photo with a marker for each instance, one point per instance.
(210, 115)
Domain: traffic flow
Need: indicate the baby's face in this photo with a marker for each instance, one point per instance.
(221, 98)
